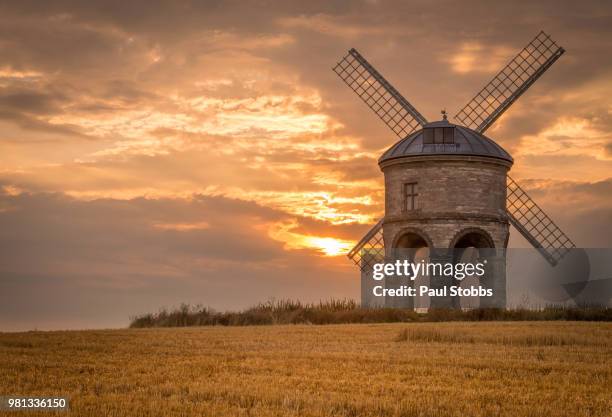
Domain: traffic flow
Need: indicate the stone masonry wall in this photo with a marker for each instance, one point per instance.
(453, 194)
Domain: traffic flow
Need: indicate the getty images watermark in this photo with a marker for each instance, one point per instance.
(472, 278)
(426, 269)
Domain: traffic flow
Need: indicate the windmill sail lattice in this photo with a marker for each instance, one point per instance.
(479, 114)
(370, 249)
(378, 94)
(510, 83)
(535, 225)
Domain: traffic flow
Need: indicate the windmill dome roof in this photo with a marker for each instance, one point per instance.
(444, 138)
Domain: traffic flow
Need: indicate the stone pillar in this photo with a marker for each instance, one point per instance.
(441, 283)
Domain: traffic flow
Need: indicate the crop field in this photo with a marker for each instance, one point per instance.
(420, 369)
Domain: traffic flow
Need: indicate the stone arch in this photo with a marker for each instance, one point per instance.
(414, 245)
(468, 245)
(410, 237)
(472, 237)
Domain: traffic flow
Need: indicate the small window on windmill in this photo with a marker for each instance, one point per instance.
(428, 136)
(410, 195)
(438, 135)
(449, 135)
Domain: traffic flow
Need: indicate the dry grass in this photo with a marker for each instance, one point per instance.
(348, 311)
(422, 369)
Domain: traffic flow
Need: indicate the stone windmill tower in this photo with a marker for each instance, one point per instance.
(447, 184)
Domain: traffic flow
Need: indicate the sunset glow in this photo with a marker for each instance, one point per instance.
(286, 232)
(186, 151)
(329, 246)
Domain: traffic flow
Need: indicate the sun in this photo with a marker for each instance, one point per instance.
(329, 246)
(326, 246)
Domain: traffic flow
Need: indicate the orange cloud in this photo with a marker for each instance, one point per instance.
(182, 227)
(569, 136)
(476, 57)
(328, 246)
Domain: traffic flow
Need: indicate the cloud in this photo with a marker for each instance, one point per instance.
(608, 150)
(475, 57)
(569, 136)
(578, 207)
(28, 101)
(8, 74)
(57, 251)
(161, 142)
(329, 246)
(335, 26)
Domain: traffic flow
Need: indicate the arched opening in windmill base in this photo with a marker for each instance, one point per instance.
(471, 246)
(414, 247)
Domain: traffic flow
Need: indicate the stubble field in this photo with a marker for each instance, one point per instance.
(422, 369)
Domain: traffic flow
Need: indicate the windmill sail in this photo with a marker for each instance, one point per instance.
(479, 114)
(510, 83)
(535, 225)
(370, 249)
(378, 94)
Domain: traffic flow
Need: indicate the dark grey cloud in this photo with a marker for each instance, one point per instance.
(28, 122)
(29, 102)
(597, 189)
(582, 210)
(96, 263)
(24, 106)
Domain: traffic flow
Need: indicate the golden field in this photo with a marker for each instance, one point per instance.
(421, 369)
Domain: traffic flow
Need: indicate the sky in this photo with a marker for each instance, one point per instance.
(154, 153)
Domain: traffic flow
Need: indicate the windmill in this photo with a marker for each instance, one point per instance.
(457, 147)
